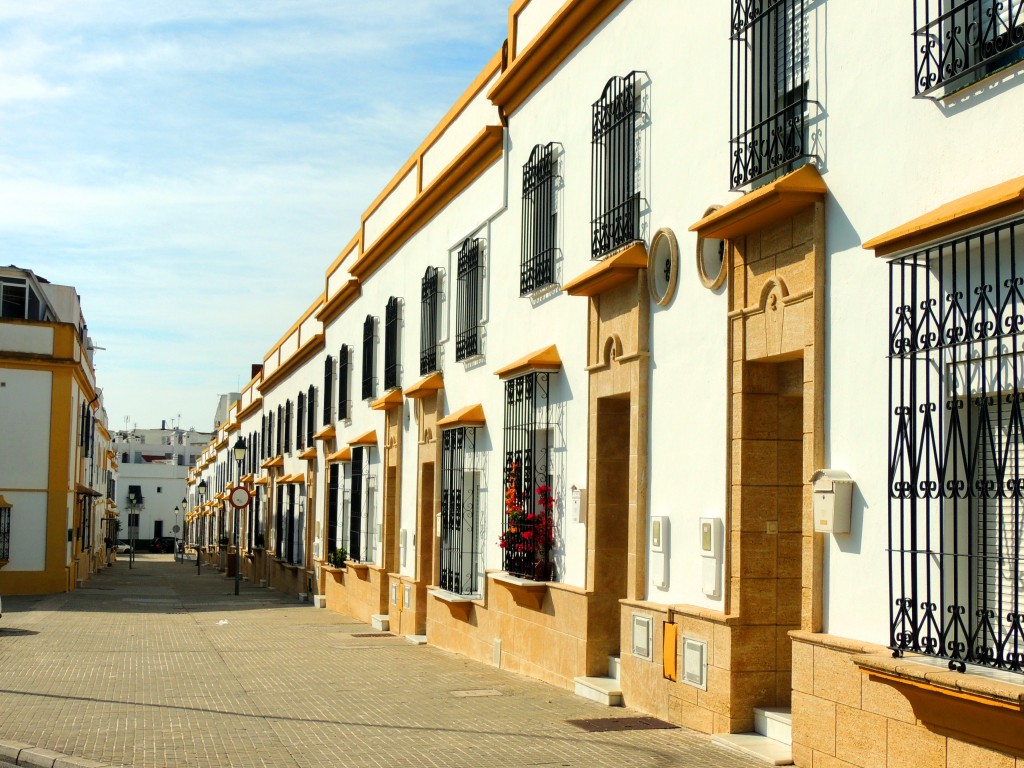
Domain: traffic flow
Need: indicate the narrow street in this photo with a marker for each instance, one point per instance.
(156, 666)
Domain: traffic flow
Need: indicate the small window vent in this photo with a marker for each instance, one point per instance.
(695, 663)
(642, 636)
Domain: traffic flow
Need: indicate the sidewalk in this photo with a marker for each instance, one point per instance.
(156, 666)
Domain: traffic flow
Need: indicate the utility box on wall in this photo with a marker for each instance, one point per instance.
(833, 499)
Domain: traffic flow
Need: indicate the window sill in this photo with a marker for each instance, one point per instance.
(981, 707)
(459, 605)
(361, 570)
(526, 592)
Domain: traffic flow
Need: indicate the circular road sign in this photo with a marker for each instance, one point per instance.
(239, 497)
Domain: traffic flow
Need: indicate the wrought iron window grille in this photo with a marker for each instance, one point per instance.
(361, 532)
(369, 339)
(460, 546)
(959, 42)
(392, 322)
(527, 525)
(769, 71)
(540, 220)
(328, 416)
(5, 533)
(469, 310)
(344, 359)
(615, 159)
(290, 527)
(279, 524)
(300, 421)
(310, 415)
(430, 335)
(288, 426)
(956, 450)
(280, 431)
(334, 539)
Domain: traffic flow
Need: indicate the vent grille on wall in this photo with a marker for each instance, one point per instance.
(642, 636)
(695, 663)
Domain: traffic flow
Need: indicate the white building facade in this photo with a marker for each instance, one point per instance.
(701, 356)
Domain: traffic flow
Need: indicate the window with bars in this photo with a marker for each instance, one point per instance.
(369, 338)
(310, 415)
(328, 391)
(614, 197)
(279, 441)
(540, 220)
(527, 526)
(86, 533)
(287, 426)
(361, 524)
(956, 449)
(343, 384)
(334, 533)
(300, 421)
(460, 550)
(430, 331)
(279, 524)
(769, 71)
(468, 314)
(959, 42)
(391, 328)
(5, 533)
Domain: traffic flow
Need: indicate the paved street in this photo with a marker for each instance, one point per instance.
(156, 666)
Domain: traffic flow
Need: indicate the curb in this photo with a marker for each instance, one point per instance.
(37, 757)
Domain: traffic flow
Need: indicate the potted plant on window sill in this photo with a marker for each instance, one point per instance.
(336, 559)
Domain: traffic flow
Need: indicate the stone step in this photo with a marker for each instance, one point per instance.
(614, 667)
(603, 690)
(380, 622)
(754, 744)
(416, 639)
(775, 723)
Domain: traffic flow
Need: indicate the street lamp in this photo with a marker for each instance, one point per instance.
(239, 452)
(201, 488)
(177, 511)
(131, 528)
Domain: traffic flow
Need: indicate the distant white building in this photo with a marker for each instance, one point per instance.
(153, 466)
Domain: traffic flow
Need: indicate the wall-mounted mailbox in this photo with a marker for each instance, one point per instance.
(659, 551)
(579, 505)
(711, 555)
(833, 495)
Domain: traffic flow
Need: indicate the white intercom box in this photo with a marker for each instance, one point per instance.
(659, 551)
(711, 555)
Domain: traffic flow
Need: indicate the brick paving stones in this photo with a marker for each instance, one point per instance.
(155, 666)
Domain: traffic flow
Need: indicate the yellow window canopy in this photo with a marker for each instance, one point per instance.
(610, 272)
(470, 416)
(426, 386)
(546, 359)
(967, 212)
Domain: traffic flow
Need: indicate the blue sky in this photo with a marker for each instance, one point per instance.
(160, 156)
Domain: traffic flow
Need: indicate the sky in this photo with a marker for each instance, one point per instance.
(167, 157)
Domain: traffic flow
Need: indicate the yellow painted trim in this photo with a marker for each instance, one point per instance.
(426, 386)
(327, 433)
(340, 301)
(352, 244)
(309, 453)
(263, 480)
(559, 38)
(220, 446)
(273, 461)
(232, 426)
(609, 272)
(546, 359)
(317, 303)
(301, 355)
(967, 212)
(470, 416)
(766, 205)
(482, 152)
(392, 399)
(942, 690)
(345, 454)
(369, 438)
(246, 478)
(4, 503)
(251, 408)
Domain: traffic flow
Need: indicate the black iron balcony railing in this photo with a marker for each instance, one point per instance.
(429, 291)
(614, 198)
(467, 335)
(769, 68)
(391, 320)
(539, 221)
(958, 42)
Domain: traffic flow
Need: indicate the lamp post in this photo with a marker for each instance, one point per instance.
(177, 511)
(239, 452)
(131, 528)
(201, 490)
(181, 530)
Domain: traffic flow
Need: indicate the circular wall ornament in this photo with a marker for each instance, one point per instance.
(663, 266)
(711, 261)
